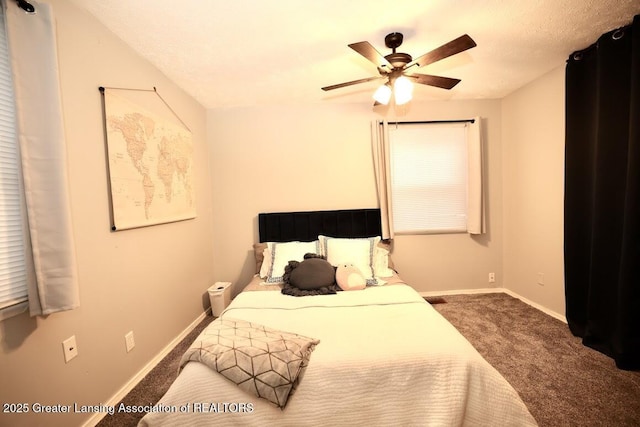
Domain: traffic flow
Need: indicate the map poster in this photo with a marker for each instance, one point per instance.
(150, 160)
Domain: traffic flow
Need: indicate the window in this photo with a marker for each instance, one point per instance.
(13, 271)
(429, 177)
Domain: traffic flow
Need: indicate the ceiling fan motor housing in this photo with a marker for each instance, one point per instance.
(398, 60)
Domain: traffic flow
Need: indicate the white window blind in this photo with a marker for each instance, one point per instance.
(429, 177)
(13, 276)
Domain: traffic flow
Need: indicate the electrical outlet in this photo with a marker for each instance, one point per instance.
(492, 277)
(129, 341)
(70, 348)
(541, 279)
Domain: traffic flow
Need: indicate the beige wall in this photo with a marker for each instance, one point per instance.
(533, 189)
(283, 158)
(149, 280)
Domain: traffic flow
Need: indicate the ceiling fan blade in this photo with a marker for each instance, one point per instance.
(437, 81)
(365, 49)
(354, 82)
(458, 45)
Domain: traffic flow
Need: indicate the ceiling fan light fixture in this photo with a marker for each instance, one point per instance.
(383, 94)
(403, 90)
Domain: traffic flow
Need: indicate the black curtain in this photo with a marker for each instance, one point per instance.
(602, 195)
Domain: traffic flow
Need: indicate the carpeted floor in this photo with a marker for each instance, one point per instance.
(562, 382)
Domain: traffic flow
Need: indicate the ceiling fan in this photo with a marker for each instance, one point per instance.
(395, 66)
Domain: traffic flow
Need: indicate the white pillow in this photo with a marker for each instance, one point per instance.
(359, 252)
(381, 263)
(282, 253)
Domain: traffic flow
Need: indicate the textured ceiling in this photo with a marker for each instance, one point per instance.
(250, 52)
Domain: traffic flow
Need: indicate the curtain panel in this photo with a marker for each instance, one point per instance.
(602, 195)
(476, 218)
(382, 170)
(33, 54)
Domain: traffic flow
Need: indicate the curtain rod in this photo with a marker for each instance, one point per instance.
(432, 121)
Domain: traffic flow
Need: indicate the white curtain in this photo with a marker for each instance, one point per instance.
(33, 53)
(382, 169)
(475, 194)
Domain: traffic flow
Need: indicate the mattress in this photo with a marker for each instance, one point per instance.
(384, 357)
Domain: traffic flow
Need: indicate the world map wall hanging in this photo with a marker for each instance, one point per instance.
(150, 164)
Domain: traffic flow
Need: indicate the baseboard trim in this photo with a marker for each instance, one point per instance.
(120, 394)
(494, 291)
(464, 292)
(536, 305)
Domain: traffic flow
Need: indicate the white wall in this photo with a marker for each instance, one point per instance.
(533, 189)
(317, 157)
(150, 280)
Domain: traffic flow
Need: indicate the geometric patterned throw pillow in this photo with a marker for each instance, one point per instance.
(263, 361)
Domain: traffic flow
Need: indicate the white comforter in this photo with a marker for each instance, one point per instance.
(385, 357)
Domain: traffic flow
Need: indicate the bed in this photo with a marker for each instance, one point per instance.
(376, 356)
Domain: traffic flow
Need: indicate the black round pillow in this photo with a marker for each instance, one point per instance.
(313, 276)
(312, 273)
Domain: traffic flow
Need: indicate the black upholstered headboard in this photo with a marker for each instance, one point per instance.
(306, 226)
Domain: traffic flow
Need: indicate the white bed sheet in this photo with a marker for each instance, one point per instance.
(385, 357)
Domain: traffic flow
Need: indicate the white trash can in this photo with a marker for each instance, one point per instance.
(220, 297)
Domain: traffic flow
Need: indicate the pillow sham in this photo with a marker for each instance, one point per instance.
(360, 252)
(258, 254)
(381, 263)
(281, 253)
(386, 245)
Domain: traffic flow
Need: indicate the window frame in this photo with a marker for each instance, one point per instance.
(463, 163)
